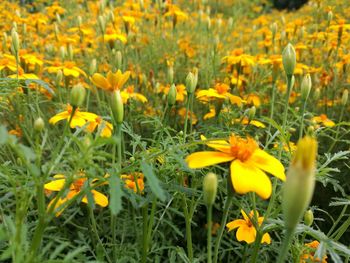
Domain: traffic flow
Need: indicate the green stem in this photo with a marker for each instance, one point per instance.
(338, 129)
(145, 233)
(209, 225)
(186, 117)
(222, 226)
(285, 246)
(302, 120)
(188, 220)
(272, 109)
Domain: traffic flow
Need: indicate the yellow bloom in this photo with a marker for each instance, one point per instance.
(107, 129)
(248, 164)
(246, 121)
(130, 93)
(74, 189)
(323, 119)
(79, 118)
(134, 181)
(221, 91)
(309, 252)
(180, 92)
(68, 68)
(114, 81)
(246, 230)
(8, 62)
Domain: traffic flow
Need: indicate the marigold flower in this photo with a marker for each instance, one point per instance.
(114, 81)
(309, 253)
(248, 164)
(221, 91)
(75, 188)
(246, 229)
(134, 181)
(323, 119)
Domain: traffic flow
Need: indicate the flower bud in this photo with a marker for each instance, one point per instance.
(289, 59)
(317, 94)
(77, 95)
(251, 113)
(210, 186)
(117, 106)
(15, 41)
(58, 18)
(59, 77)
(172, 95)
(57, 31)
(119, 59)
(93, 66)
(102, 24)
(70, 52)
(170, 74)
(80, 21)
(39, 124)
(63, 52)
(306, 87)
(329, 17)
(274, 30)
(344, 98)
(190, 83)
(308, 217)
(299, 186)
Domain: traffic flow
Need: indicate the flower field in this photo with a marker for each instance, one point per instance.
(174, 131)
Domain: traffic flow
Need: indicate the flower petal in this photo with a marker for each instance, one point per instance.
(58, 117)
(220, 145)
(235, 223)
(266, 239)
(246, 233)
(100, 81)
(99, 198)
(203, 159)
(268, 163)
(55, 185)
(247, 178)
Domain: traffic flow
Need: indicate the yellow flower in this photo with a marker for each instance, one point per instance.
(107, 127)
(246, 230)
(309, 252)
(129, 181)
(221, 91)
(74, 189)
(248, 164)
(180, 92)
(323, 119)
(114, 81)
(130, 93)
(68, 68)
(79, 118)
(246, 121)
(8, 62)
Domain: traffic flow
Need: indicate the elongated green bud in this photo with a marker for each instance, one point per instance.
(306, 87)
(93, 67)
(39, 124)
(102, 24)
(77, 95)
(117, 106)
(289, 59)
(190, 83)
(59, 77)
(15, 41)
(344, 98)
(308, 217)
(210, 186)
(299, 186)
(172, 95)
(119, 59)
(251, 113)
(170, 75)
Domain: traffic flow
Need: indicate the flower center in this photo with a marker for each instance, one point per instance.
(241, 148)
(222, 88)
(78, 184)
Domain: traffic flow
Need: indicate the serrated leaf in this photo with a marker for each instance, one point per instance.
(153, 181)
(116, 193)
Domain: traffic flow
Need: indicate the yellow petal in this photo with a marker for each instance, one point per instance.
(247, 178)
(266, 239)
(113, 79)
(203, 159)
(99, 198)
(268, 163)
(246, 233)
(70, 72)
(220, 145)
(100, 81)
(55, 185)
(77, 122)
(124, 78)
(235, 223)
(58, 117)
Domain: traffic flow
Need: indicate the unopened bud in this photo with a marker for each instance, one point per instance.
(70, 52)
(102, 24)
(274, 29)
(210, 186)
(39, 124)
(117, 106)
(299, 186)
(317, 94)
(172, 95)
(306, 87)
(170, 75)
(80, 21)
(58, 18)
(15, 41)
(208, 23)
(93, 66)
(63, 52)
(308, 217)
(59, 77)
(329, 17)
(251, 113)
(77, 95)
(190, 83)
(289, 59)
(344, 98)
(119, 59)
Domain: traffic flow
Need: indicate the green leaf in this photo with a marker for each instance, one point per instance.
(115, 203)
(153, 181)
